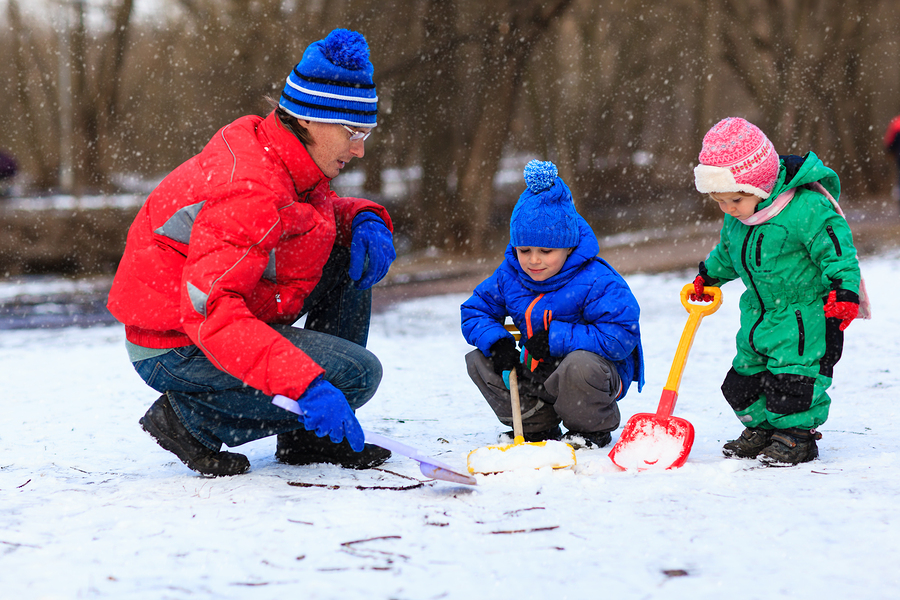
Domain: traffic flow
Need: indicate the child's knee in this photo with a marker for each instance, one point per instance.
(586, 386)
(787, 393)
(741, 391)
(584, 372)
(477, 365)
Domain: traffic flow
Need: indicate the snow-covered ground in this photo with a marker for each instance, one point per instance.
(91, 507)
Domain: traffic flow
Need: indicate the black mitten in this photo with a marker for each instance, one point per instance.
(538, 345)
(504, 355)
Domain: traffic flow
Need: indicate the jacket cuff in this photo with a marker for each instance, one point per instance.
(366, 216)
(842, 295)
(707, 278)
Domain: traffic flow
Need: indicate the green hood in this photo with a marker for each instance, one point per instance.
(796, 171)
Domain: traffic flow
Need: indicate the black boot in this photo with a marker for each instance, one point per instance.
(163, 425)
(791, 446)
(749, 444)
(585, 439)
(302, 447)
(554, 433)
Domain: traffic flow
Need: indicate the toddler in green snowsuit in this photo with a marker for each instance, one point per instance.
(785, 236)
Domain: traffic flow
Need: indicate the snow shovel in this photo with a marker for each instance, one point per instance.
(430, 467)
(661, 441)
(520, 454)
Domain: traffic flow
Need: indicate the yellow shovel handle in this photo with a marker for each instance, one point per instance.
(696, 313)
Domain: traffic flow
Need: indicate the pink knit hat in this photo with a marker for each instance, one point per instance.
(736, 157)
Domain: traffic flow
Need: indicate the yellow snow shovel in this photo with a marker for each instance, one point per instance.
(520, 454)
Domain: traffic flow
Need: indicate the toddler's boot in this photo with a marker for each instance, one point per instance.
(791, 446)
(749, 444)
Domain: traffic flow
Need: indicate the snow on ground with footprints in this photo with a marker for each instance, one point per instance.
(93, 508)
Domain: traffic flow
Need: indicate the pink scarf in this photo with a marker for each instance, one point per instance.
(769, 212)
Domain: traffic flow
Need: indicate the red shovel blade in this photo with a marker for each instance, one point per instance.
(651, 441)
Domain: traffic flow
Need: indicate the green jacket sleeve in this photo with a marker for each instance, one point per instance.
(830, 244)
(718, 262)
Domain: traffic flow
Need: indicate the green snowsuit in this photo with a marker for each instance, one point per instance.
(786, 348)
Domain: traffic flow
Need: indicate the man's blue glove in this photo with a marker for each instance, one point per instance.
(371, 250)
(326, 411)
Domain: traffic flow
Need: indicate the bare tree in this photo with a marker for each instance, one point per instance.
(800, 63)
(33, 98)
(96, 65)
(617, 92)
(509, 35)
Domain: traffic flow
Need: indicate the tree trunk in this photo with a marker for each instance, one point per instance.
(437, 125)
(505, 49)
(36, 143)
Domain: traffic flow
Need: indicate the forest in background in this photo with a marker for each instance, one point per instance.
(617, 92)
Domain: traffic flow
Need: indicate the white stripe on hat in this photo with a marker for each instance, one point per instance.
(344, 120)
(327, 95)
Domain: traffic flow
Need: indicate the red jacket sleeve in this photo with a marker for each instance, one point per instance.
(346, 209)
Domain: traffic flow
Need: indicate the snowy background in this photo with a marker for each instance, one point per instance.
(91, 507)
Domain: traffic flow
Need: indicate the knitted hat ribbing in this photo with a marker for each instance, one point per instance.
(544, 215)
(333, 83)
(736, 157)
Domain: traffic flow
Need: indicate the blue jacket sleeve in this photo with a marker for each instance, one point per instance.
(483, 315)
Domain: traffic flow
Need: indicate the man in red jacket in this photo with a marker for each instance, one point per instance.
(238, 243)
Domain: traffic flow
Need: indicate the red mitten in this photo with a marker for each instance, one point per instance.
(845, 309)
(698, 295)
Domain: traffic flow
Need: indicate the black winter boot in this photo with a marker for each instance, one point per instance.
(749, 444)
(302, 447)
(582, 439)
(791, 447)
(554, 433)
(163, 425)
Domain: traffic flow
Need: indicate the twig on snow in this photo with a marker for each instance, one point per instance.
(359, 487)
(533, 530)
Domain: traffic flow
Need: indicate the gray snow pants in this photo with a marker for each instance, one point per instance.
(580, 393)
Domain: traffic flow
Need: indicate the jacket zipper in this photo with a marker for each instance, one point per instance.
(762, 308)
(801, 333)
(278, 302)
(759, 243)
(529, 330)
(834, 240)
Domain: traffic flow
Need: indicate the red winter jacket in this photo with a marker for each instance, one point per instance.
(892, 136)
(230, 241)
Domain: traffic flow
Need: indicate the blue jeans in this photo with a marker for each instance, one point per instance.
(218, 408)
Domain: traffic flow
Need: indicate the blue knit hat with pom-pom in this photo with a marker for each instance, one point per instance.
(545, 215)
(333, 83)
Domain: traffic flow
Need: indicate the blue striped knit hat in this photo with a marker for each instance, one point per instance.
(332, 83)
(545, 215)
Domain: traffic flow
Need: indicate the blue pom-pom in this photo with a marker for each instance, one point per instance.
(347, 49)
(540, 175)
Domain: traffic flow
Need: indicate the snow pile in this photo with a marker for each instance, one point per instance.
(536, 455)
(650, 445)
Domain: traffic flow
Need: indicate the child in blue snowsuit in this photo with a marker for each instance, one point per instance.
(581, 342)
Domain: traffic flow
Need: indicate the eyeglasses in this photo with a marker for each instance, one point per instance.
(356, 135)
